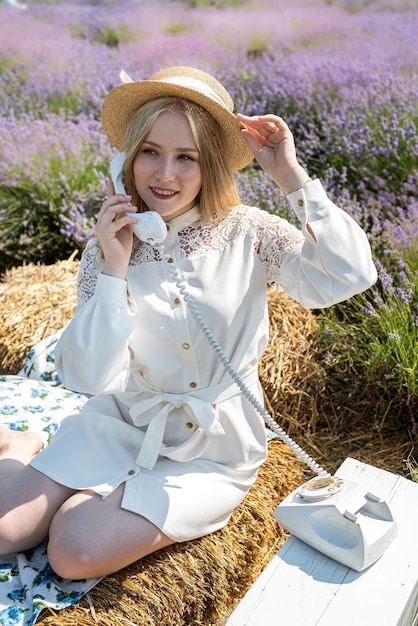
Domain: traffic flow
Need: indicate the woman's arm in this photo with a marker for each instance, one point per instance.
(92, 355)
(333, 260)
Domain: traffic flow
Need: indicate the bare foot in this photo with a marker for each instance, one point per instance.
(18, 445)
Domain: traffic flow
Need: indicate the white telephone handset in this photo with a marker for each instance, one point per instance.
(150, 225)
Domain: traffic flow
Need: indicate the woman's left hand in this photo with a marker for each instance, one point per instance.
(271, 140)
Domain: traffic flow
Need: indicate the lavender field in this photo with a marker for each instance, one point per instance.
(343, 73)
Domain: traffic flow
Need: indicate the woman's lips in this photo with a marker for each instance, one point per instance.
(163, 193)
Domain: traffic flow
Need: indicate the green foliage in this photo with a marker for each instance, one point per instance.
(388, 151)
(257, 47)
(411, 257)
(28, 228)
(109, 36)
(372, 341)
(46, 220)
(412, 466)
(32, 227)
(68, 102)
(352, 8)
(174, 28)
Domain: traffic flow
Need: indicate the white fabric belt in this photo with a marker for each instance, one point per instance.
(200, 405)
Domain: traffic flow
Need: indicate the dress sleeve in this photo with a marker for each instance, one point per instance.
(92, 355)
(327, 268)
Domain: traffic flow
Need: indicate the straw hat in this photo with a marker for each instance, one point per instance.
(184, 82)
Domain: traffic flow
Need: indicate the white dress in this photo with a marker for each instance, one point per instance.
(165, 418)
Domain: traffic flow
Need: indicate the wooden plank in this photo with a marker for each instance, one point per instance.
(301, 587)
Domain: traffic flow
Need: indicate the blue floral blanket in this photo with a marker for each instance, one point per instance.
(27, 583)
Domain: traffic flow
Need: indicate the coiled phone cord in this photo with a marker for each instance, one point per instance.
(271, 423)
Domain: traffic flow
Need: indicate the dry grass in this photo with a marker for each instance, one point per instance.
(36, 301)
(200, 582)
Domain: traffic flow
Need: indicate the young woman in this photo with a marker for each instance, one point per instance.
(167, 447)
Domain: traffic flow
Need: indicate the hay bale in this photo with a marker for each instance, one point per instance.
(291, 376)
(36, 301)
(198, 582)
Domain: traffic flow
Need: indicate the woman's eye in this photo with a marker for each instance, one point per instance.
(148, 151)
(186, 157)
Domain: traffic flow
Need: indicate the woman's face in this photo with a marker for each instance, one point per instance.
(166, 168)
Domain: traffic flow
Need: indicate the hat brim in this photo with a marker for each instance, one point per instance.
(122, 102)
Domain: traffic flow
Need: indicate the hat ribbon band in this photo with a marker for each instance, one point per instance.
(197, 85)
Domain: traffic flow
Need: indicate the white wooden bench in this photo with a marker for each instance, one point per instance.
(301, 587)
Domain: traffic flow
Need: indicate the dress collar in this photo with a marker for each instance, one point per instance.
(185, 219)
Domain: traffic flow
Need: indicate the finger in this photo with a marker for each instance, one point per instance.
(263, 124)
(269, 138)
(110, 190)
(254, 140)
(114, 212)
(115, 204)
(260, 119)
(109, 229)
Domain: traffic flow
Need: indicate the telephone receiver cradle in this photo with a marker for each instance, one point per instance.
(341, 519)
(150, 225)
(338, 517)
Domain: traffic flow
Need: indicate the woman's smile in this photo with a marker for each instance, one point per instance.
(165, 193)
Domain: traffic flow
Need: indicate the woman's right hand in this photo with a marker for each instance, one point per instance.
(114, 232)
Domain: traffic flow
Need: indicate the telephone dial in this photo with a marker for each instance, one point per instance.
(340, 518)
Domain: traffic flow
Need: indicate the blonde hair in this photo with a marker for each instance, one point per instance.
(218, 194)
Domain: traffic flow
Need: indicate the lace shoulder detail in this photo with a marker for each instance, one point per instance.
(90, 266)
(273, 237)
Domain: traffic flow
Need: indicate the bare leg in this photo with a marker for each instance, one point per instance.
(89, 536)
(28, 499)
(92, 537)
(16, 450)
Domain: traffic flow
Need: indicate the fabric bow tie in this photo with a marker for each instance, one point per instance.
(153, 411)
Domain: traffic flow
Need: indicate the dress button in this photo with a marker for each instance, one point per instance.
(193, 385)
(131, 472)
(170, 260)
(176, 300)
(189, 425)
(301, 202)
(185, 346)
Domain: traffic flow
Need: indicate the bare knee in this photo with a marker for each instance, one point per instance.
(68, 553)
(75, 549)
(70, 561)
(91, 537)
